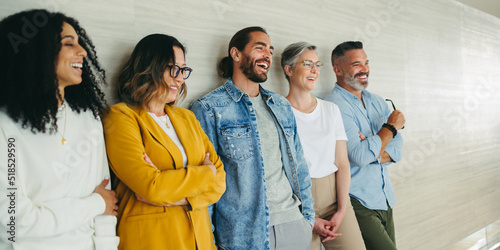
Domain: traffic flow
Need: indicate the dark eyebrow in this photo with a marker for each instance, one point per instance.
(264, 44)
(359, 62)
(68, 36)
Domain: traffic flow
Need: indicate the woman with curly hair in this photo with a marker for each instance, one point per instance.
(54, 165)
(168, 171)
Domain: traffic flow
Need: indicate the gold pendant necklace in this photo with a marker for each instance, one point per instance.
(63, 141)
(165, 121)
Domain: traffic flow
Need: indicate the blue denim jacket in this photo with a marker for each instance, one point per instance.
(241, 216)
(370, 182)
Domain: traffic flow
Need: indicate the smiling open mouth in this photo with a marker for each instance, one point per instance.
(77, 65)
(263, 65)
(362, 76)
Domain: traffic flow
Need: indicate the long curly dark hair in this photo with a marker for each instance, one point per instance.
(30, 42)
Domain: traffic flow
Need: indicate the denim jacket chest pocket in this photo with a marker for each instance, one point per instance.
(237, 142)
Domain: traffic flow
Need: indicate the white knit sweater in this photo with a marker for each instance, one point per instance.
(53, 203)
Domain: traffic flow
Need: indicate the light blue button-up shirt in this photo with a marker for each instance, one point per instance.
(370, 182)
(241, 216)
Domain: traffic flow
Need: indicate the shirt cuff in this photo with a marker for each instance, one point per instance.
(96, 204)
(105, 225)
(375, 144)
(106, 242)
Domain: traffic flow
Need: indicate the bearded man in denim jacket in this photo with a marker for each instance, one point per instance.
(268, 202)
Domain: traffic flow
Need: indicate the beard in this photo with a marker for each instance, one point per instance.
(355, 83)
(248, 67)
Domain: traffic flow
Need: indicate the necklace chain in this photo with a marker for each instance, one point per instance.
(164, 119)
(63, 141)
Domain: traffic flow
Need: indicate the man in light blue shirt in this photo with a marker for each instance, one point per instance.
(373, 143)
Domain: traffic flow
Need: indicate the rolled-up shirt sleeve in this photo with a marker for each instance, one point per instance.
(361, 153)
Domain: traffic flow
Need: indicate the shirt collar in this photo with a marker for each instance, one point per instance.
(364, 93)
(236, 94)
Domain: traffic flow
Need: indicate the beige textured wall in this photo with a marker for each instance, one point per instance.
(438, 60)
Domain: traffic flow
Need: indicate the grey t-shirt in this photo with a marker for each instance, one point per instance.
(283, 204)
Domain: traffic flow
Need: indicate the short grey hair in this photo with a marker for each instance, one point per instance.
(292, 52)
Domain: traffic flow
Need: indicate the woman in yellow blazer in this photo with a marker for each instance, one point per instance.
(167, 170)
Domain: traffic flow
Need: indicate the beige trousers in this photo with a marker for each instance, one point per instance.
(324, 192)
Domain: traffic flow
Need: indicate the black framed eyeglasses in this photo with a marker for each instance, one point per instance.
(175, 70)
(393, 106)
(310, 64)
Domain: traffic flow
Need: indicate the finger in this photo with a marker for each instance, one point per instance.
(361, 135)
(146, 158)
(328, 233)
(324, 232)
(138, 197)
(104, 182)
(328, 239)
(329, 224)
(331, 237)
(335, 235)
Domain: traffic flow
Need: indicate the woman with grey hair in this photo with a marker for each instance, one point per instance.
(322, 134)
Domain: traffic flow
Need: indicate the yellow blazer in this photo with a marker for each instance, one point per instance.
(130, 132)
